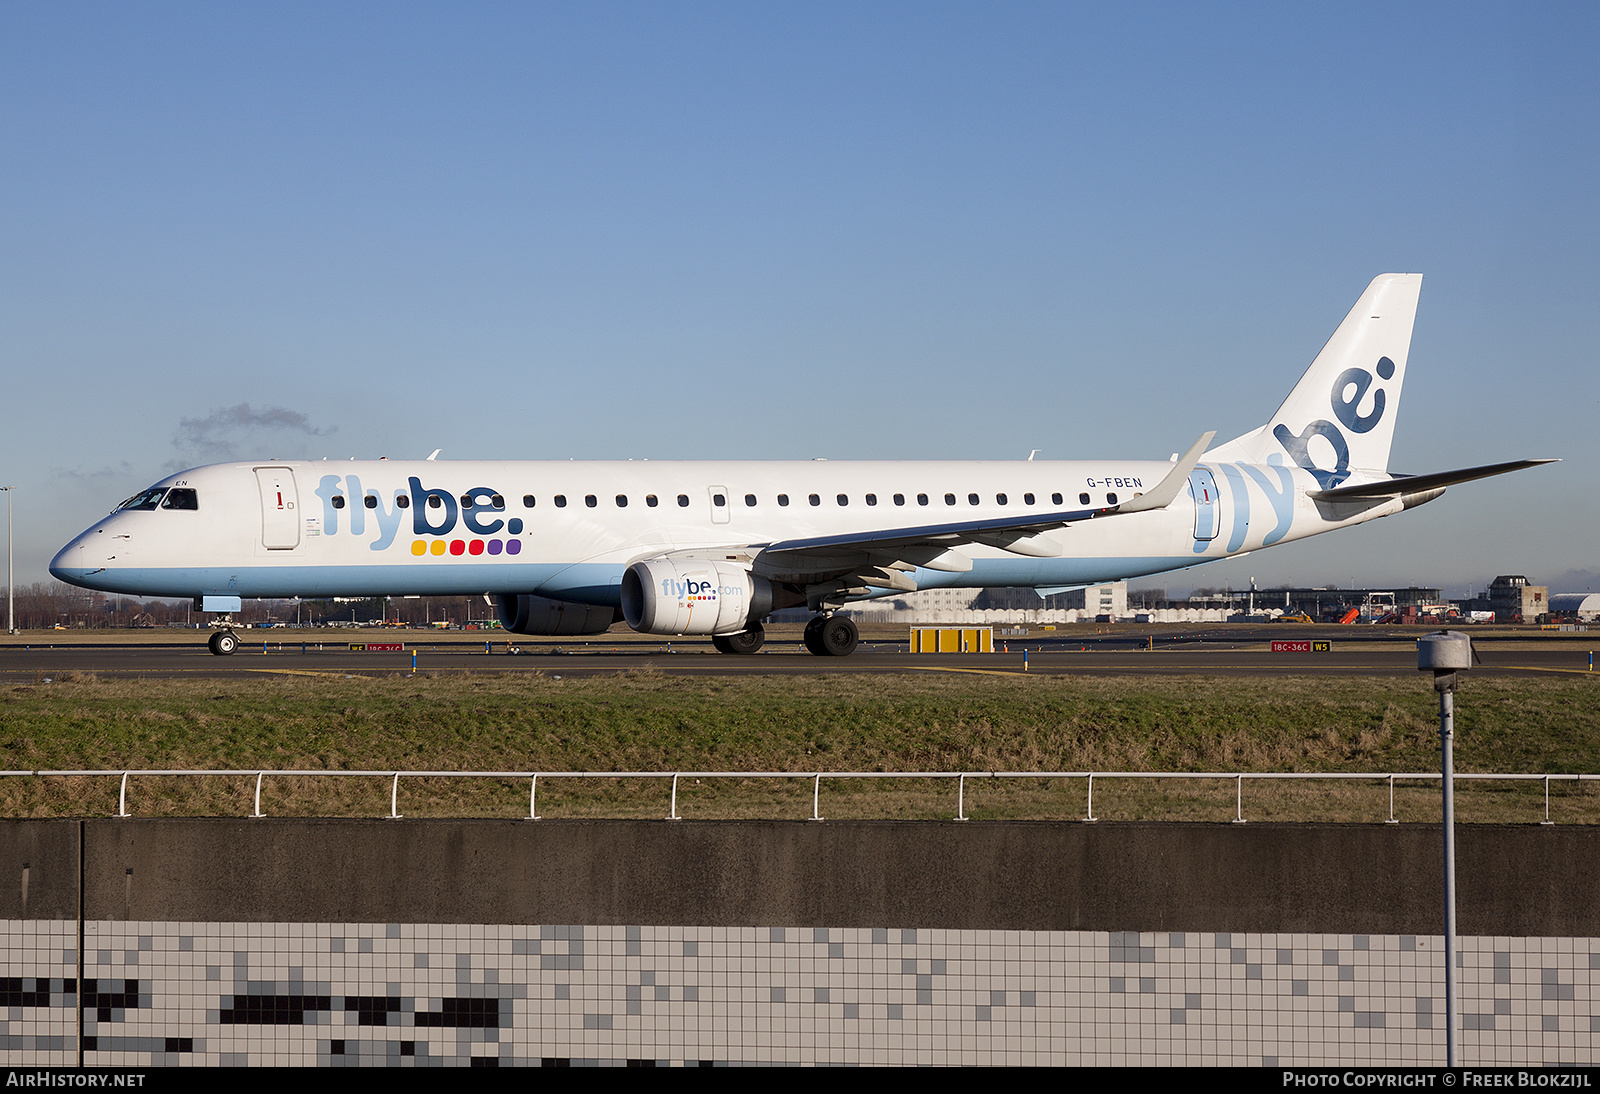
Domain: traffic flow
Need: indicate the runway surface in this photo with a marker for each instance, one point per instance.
(1224, 652)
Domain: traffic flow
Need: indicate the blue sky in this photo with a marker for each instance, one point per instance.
(779, 231)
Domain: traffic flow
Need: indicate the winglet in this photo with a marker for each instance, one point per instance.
(1168, 488)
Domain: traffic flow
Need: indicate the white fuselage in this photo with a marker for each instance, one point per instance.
(568, 530)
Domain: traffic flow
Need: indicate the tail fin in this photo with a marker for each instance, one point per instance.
(1341, 413)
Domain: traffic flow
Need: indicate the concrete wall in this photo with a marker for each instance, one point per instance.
(505, 943)
(1380, 879)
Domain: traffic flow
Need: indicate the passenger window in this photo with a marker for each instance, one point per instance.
(1000, 499)
(590, 500)
(844, 499)
(1083, 499)
(899, 499)
(498, 501)
(370, 501)
(783, 499)
(651, 500)
(815, 500)
(972, 499)
(561, 501)
(1111, 499)
(181, 497)
(949, 499)
(750, 500)
(338, 501)
(1055, 499)
(435, 501)
(527, 501)
(922, 499)
(683, 501)
(872, 499)
(403, 501)
(720, 501)
(466, 501)
(622, 501)
(1027, 499)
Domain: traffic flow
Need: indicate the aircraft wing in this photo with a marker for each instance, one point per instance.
(1413, 484)
(873, 555)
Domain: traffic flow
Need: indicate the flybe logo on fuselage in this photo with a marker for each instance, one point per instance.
(434, 513)
(1350, 388)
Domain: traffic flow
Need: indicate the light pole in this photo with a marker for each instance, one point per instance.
(11, 603)
(1444, 654)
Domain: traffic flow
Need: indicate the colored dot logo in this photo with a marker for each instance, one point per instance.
(422, 547)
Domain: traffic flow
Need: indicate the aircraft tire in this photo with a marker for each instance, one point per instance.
(838, 636)
(223, 643)
(720, 643)
(746, 641)
(813, 636)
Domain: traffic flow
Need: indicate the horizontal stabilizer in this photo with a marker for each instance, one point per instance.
(1413, 484)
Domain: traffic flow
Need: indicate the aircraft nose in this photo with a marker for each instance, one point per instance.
(69, 565)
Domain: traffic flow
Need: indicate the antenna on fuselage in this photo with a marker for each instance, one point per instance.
(1032, 454)
(436, 452)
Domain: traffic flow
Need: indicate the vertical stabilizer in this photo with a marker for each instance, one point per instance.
(1341, 414)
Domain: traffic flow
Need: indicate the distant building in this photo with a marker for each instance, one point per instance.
(1512, 600)
(1585, 606)
(1006, 605)
(1110, 599)
(1411, 601)
(928, 601)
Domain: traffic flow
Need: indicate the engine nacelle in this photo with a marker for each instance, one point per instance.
(529, 614)
(688, 596)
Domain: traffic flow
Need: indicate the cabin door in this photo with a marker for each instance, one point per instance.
(280, 517)
(1207, 505)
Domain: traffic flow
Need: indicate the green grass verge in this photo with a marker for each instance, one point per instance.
(645, 721)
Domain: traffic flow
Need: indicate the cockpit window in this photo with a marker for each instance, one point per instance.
(145, 502)
(181, 497)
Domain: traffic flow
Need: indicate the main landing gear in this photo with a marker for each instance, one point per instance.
(223, 643)
(826, 636)
(746, 641)
(831, 636)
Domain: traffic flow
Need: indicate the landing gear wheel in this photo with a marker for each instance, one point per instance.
(839, 636)
(745, 642)
(813, 635)
(831, 636)
(223, 643)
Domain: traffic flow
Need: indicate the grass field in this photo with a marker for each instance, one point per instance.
(645, 721)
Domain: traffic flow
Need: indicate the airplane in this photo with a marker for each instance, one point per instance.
(713, 548)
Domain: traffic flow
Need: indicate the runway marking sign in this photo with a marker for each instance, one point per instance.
(1301, 646)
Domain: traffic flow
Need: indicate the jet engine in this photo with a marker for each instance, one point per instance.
(529, 614)
(691, 596)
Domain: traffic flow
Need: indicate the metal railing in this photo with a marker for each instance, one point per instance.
(1238, 778)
